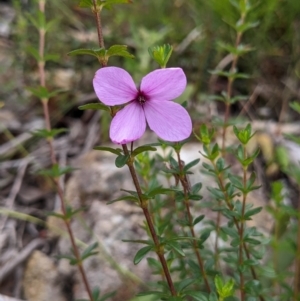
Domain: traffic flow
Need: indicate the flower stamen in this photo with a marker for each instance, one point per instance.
(141, 99)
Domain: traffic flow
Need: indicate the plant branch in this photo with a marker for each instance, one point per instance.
(96, 11)
(186, 188)
(144, 205)
(41, 67)
(230, 86)
(241, 231)
(230, 207)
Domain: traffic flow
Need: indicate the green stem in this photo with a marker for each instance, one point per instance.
(186, 188)
(241, 231)
(230, 207)
(144, 205)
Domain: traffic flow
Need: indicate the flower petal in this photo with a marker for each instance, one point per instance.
(114, 86)
(128, 125)
(164, 84)
(169, 120)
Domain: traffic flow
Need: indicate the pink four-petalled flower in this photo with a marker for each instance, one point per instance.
(151, 103)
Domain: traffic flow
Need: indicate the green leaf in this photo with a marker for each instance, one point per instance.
(56, 171)
(232, 75)
(42, 92)
(94, 106)
(141, 254)
(196, 188)
(219, 284)
(228, 288)
(252, 241)
(230, 231)
(96, 293)
(70, 212)
(90, 251)
(191, 164)
(72, 260)
(119, 50)
(238, 51)
(244, 135)
(116, 151)
(86, 3)
(198, 296)
(175, 247)
(267, 271)
(106, 296)
(131, 192)
(205, 135)
(159, 190)
(43, 133)
(213, 297)
(144, 148)
(252, 212)
(198, 219)
(51, 57)
(282, 157)
(109, 3)
(295, 106)
(183, 284)
(34, 52)
(242, 27)
(124, 198)
(121, 160)
(98, 53)
(205, 235)
(58, 215)
(161, 54)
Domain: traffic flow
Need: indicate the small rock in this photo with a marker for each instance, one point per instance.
(41, 280)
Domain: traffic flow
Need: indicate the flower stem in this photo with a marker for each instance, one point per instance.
(144, 205)
(186, 188)
(41, 67)
(96, 12)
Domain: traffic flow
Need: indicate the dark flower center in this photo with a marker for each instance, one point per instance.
(141, 98)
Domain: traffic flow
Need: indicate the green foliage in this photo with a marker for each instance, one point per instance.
(116, 151)
(224, 290)
(43, 133)
(56, 171)
(103, 55)
(141, 254)
(121, 160)
(161, 54)
(96, 294)
(101, 3)
(244, 135)
(94, 106)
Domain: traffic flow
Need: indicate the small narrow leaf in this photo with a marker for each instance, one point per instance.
(121, 160)
(144, 148)
(191, 164)
(116, 151)
(141, 254)
(119, 50)
(198, 219)
(48, 134)
(94, 106)
(124, 198)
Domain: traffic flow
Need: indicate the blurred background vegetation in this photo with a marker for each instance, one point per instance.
(194, 27)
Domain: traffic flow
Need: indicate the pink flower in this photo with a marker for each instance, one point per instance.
(151, 103)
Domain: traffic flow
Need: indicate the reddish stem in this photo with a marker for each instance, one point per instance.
(41, 67)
